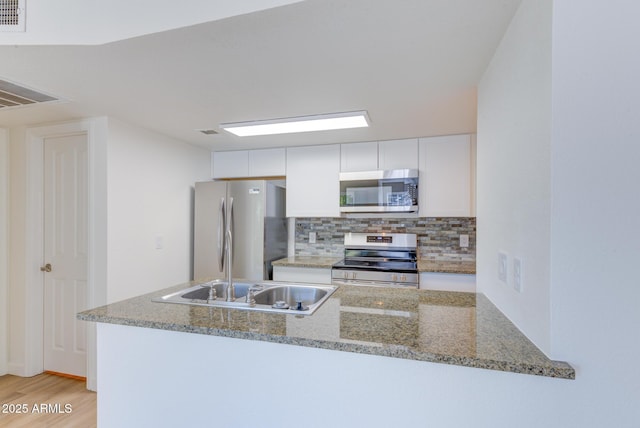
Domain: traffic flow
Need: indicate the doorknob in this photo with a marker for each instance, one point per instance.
(46, 268)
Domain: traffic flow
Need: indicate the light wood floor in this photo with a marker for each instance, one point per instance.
(51, 401)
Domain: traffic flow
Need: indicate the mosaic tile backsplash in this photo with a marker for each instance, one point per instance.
(438, 238)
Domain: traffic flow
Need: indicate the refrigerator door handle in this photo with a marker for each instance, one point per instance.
(231, 226)
(231, 215)
(222, 227)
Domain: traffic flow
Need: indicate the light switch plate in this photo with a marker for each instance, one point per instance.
(312, 237)
(464, 241)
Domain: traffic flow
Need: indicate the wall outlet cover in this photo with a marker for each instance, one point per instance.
(502, 266)
(517, 274)
(312, 237)
(464, 241)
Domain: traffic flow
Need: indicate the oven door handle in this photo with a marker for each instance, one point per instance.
(361, 283)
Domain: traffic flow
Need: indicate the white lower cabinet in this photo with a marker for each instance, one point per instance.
(447, 281)
(302, 274)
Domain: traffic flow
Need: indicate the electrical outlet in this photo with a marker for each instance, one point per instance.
(464, 241)
(159, 242)
(312, 237)
(502, 266)
(517, 274)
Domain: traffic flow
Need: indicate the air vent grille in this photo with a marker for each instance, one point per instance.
(208, 131)
(12, 95)
(12, 15)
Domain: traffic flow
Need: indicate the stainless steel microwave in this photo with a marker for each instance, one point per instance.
(379, 191)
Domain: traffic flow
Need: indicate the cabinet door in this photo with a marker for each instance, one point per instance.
(313, 188)
(445, 176)
(231, 164)
(398, 154)
(302, 274)
(267, 163)
(359, 157)
(447, 282)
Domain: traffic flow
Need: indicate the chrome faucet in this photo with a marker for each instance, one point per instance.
(231, 294)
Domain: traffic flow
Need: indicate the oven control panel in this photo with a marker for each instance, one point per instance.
(380, 239)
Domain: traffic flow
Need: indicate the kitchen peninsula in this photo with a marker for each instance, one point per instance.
(196, 365)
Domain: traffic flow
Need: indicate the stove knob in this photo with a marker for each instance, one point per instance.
(346, 275)
(403, 277)
(353, 275)
(394, 277)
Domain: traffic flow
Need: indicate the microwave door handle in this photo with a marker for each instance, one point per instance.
(222, 227)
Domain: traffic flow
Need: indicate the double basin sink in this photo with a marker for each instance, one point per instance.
(269, 296)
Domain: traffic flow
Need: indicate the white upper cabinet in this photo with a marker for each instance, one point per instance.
(249, 163)
(392, 154)
(446, 180)
(398, 154)
(313, 188)
(231, 164)
(267, 163)
(359, 157)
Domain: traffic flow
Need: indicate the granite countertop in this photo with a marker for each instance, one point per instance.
(436, 326)
(447, 266)
(308, 261)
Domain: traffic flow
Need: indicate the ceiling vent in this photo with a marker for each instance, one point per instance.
(208, 131)
(12, 95)
(12, 15)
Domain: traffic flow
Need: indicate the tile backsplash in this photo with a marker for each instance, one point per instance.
(438, 238)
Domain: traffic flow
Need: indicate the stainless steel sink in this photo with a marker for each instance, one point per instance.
(202, 291)
(269, 296)
(292, 296)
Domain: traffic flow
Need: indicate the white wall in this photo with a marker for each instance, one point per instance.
(588, 228)
(4, 246)
(17, 256)
(150, 180)
(513, 167)
(595, 245)
(123, 157)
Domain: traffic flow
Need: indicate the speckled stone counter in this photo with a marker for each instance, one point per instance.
(441, 266)
(443, 327)
(308, 261)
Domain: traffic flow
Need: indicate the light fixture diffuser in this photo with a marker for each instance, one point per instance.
(320, 122)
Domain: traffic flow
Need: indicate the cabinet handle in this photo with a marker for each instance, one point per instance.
(46, 268)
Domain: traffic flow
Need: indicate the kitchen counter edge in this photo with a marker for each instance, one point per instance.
(551, 368)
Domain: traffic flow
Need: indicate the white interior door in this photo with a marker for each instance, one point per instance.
(65, 250)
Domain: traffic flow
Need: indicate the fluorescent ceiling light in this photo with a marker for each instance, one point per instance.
(320, 122)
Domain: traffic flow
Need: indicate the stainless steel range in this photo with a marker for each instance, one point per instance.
(380, 259)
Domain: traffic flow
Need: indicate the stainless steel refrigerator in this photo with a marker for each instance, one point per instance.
(259, 227)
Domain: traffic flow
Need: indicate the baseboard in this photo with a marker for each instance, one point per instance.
(69, 376)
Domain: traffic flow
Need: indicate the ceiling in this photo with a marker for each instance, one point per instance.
(412, 64)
